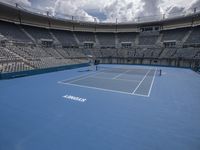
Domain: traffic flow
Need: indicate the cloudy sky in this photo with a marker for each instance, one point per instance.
(109, 10)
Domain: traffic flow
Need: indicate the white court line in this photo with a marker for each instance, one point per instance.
(118, 79)
(140, 95)
(120, 74)
(75, 77)
(106, 90)
(96, 73)
(86, 75)
(81, 78)
(152, 83)
(141, 81)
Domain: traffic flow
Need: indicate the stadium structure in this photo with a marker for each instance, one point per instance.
(144, 94)
(33, 41)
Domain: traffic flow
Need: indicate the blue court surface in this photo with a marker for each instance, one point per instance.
(120, 107)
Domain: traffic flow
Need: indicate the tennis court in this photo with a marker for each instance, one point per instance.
(118, 107)
(133, 81)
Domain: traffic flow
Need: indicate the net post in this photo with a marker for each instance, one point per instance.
(160, 72)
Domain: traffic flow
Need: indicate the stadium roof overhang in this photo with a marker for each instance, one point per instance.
(23, 16)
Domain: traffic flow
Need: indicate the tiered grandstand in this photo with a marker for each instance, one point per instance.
(32, 41)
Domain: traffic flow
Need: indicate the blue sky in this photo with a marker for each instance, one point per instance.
(109, 10)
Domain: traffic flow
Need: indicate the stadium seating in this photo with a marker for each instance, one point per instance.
(126, 53)
(127, 37)
(14, 67)
(168, 53)
(85, 37)
(13, 32)
(109, 52)
(6, 55)
(63, 52)
(38, 33)
(148, 40)
(174, 35)
(66, 38)
(20, 52)
(106, 39)
(186, 53)
(194, 37)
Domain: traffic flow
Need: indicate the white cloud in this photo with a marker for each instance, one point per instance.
(123, 10)
(146, 10)
(151, 10)
(177, 3)
(179, 7)
(71, 8)
(20, 2)
(195, 4)
(24, 2)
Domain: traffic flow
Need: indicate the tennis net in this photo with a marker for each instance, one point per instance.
(130, 71)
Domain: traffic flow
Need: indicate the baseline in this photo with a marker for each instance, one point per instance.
(101, 89)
